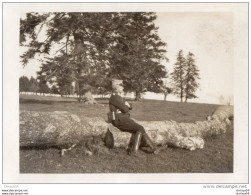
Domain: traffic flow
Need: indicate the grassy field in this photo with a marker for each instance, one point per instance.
(216, 157)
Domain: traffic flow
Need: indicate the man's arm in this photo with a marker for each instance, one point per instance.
(119, 103)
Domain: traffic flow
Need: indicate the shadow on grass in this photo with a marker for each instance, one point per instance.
(48, 102)
(42, 147)
(33, 101)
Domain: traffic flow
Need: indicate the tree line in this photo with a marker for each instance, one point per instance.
(32, 85)
(185, 76)
(36, 86)
(83, 52)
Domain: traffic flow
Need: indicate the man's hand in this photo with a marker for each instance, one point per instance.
(128, 105)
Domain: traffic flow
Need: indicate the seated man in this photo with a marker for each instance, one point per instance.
(120, 117)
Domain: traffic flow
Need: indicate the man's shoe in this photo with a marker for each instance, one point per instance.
(159, 149)
(134, 153)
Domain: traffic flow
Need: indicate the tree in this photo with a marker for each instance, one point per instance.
(165, 89)
(24, 84)
(57, 71)
(34, 85)
(138, 55)
(178, 76)
(54, 90)
(82, 39)
(191, 77)
(43, 87)
(96, 46)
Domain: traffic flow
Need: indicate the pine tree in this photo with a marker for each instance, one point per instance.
(139, 54)
(34, 86)
(96, 46)
(54, 90)
(178, 76)
(191, 77)
(24, 84)
(81, 40)
(43, 87)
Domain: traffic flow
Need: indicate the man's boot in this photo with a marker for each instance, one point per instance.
(149, 142)
(136, 143)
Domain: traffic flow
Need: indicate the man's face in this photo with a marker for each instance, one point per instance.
(117, 85)
(119, 88)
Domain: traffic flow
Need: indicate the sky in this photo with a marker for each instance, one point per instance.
(209, 36)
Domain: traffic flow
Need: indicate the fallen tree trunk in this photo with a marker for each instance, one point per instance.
(61, 128)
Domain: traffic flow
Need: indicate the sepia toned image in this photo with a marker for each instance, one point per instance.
(127, 92)
(64, 129)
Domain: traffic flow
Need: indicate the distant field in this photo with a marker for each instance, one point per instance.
(153, 110)
(216, 157)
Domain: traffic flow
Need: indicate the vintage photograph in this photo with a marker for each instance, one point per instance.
(126, 91)
(99, 99)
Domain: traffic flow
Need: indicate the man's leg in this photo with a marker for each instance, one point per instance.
(137, 140)
(149, 142)
(129, 125)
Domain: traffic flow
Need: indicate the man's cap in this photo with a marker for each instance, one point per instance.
(116, 82)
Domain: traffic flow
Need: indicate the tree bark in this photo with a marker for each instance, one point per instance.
(165, 95)
(63, 128)
(138, 96)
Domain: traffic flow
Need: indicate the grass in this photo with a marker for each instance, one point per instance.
(216, 157)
